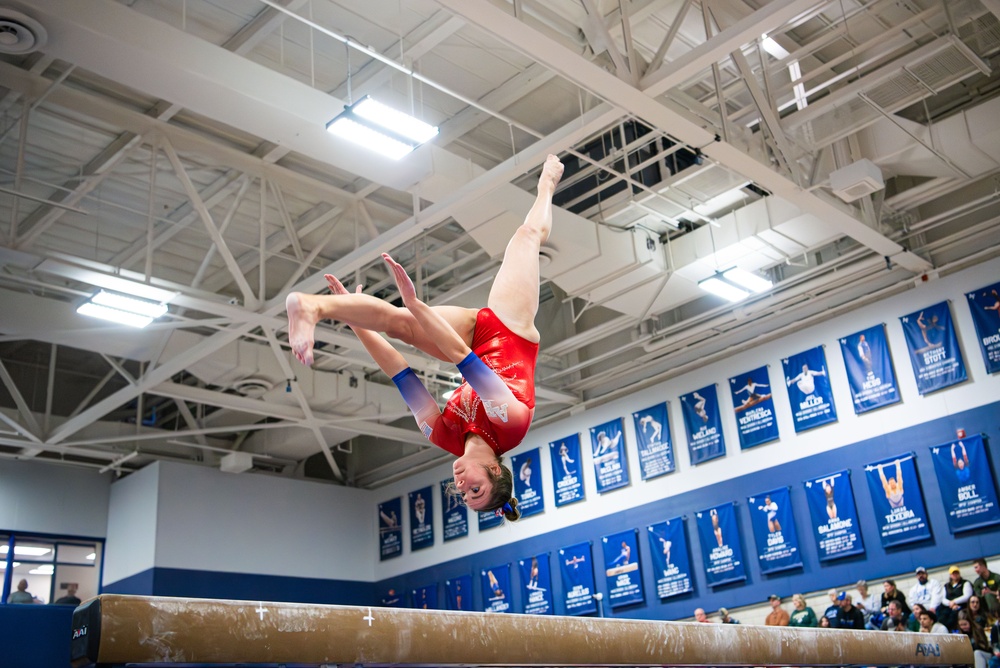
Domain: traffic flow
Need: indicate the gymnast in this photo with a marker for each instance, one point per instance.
(495, 349)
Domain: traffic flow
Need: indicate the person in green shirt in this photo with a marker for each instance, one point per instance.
(987, 587)
(802, 615)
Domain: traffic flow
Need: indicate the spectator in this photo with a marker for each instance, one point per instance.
(894, 620)
(957, 593)
(849, 617)
(726, 618)
(913, 621)
(928, 592)
(980, 645)
(777, 616)
(987, 586)
(70, 598)
(824, 622)
(833, 610)
(891, 593)
(21, 595)
(700, 616)
(802, 615)
(867, 602)
(995, 644)
(930, 624)
(975, 608)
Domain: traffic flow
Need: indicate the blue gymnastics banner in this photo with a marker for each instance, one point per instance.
(426, 597)
(567, 480)
(610, 463)
(720, 545)
(897, 500)
(536, 583)
(421, 519)
(809, 389)
(527, 469)
(774, 530)
(933, 345)
(870, 373)
(966, 482)
(985, 306)
(488, 520)
(390, 529)
(754, 408)
(671, 565)
(577, 579)
(454, 513)
(459, 592)
(621, 568)
(834, 516)
(652, 431)
(496, 588)
(391, 599)
(703, 425)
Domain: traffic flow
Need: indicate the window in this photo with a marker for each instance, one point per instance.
(52, 567)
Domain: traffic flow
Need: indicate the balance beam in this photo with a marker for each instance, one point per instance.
(115, 630)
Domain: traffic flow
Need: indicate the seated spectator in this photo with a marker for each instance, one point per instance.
(802, 615)
(930, 624)
(928, 592)
(833, 610)
(849, 617)
(700, 616)
(980, 645)
(957, 593)
(824, 623)
(868, 603)
(913, 621)
(995, 644)
(70, 598)
(21, 595)
(726, 618)
(894, 620)
(975, 608)
(778, 616)
(987, 587)
(891, 593)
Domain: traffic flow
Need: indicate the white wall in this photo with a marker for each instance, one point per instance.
(981, 388)
(259, 524)
(131, 544)
(45, 498)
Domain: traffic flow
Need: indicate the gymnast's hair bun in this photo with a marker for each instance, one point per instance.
(514, 514)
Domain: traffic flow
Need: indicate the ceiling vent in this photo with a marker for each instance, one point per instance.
(19, 34)
(254, 388)
(856, 180)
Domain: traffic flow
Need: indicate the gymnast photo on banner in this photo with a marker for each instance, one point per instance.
(984, 304)
(567, 475)
(897, 500)
(966, 481)
(621, 568)
(608, 450)
(536, 585)
(719, 532)
(774, 530)
(703, 425)
(754, 407)
(496, 588)
(669, 551)
(932, 342)
(652, 433)
(421, 519)
(834, 515)
(870, 372)
(458, 593)
(454, 514)
(390, 528)
(425, 598)
(528, 482)
(577, 579)
(809, 390)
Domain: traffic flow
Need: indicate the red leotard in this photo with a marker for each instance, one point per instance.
(513, 359)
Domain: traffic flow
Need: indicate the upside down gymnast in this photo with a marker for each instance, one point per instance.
(495, 349)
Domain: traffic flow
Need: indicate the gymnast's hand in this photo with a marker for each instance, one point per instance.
(337, 288)
(403, 282)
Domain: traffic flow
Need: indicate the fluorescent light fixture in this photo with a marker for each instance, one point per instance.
(380, 128)
(447, 395)
(722, 201)
(773, 47)
(44, 569)
(92, 556)
(747, 280)
(26, 550)
(721, 288)
(122, 309)
(3, 564)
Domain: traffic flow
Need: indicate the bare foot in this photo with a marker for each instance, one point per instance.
(302, 321)
(552, 171)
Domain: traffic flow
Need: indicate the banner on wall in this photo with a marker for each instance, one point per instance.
(391, 599)
(703, 425)
(459, 592)
(536, 585)
(774, 530)
(720, 544)
(421, 519)
(577, 579)
(809, 390)
(669, 550)
(834, 516)
(567, 479)
(985, 306)
(870, 372)
(390, 529)
(932, 342)
(897, 500)
(426, 597)
(496, 588)
(454, 514)
(754, 408)
(527, 469)
(966, 481)
(652, 431)
(610, 463)
(489, 519)
(621, 568)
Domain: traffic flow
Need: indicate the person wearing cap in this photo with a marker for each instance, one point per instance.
(928, 592)
(987, 586)
(833, 610)
(848, 617)
(957, 593)
(802, 615)
(726, 618)
(778, 616)
(867, 602)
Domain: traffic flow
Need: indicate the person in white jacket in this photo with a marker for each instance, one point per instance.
(927, 591)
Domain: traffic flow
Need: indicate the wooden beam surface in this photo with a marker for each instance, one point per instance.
(114, 629)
